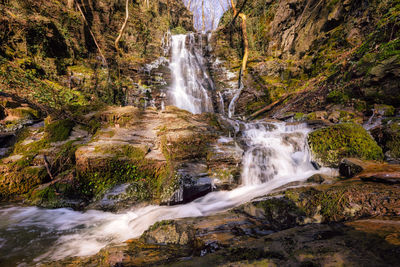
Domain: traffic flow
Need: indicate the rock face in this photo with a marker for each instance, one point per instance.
(258, 232)
(314, 54)
(329, 145)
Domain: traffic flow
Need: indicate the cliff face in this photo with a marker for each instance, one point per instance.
(320, 52)
(49, 55)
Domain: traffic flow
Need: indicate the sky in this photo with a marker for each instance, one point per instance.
(213, 10)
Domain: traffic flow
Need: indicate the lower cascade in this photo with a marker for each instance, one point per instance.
(275, 154)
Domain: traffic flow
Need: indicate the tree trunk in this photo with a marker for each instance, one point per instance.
(70, 4)
(203, 16)
(244, 32)
(123, 27)
(245, 42)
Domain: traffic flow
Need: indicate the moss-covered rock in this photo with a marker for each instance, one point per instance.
(58, 130)
(329, 145)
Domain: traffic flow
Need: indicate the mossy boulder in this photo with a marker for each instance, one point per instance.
(102, 167)
(330, 144)
(19, 179)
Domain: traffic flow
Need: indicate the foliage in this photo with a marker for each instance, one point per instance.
(178, 30)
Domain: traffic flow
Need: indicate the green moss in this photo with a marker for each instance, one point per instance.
(93, 126)
(24, 113)
(385, 110)
(393, 140)
(58, 130)
(21, 179)
(148, 179)
(160, 224)
(337, 97)
(311, 116)
(178, 30)
(298, 116)
(329, 145)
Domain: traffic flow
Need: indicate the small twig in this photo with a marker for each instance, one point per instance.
(47, 165)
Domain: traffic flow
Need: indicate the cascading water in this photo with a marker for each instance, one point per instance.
(275, 151)
(189, 78)
(275, 154)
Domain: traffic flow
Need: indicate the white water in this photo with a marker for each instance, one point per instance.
(276, 154)
(190, 81)
(274, 151)
(231, 107)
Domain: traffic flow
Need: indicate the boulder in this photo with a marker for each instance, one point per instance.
(320, 179)
(330, 144)
(169, 232)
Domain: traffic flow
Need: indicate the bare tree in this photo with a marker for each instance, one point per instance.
(123, 26)
(244, 32)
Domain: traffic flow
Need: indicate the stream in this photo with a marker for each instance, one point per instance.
(275, 154)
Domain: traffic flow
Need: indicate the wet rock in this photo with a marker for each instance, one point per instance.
(169, 232)
(278, 213)
(350, 167)
(224, 163)
(390, 66)
(370, 171)
(382, 177)
(320, 179)
(316, 124)
(193, 183)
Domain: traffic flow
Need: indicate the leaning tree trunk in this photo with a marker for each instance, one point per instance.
(123, 27)
(244, 32)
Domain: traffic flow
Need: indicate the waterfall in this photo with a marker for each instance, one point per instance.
(275, 154)
(190, 81)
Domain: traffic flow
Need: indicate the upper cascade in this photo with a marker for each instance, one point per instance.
(190, 80)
